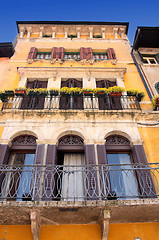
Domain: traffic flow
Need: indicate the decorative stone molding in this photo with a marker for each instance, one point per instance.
(29, 31)
(21, 30)
(117, 140)
(122, 32)
(66, 32)
(78, 30)
(71, 140)
(35, 224)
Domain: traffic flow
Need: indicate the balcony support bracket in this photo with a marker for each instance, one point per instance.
(35, 224)
(104, 224)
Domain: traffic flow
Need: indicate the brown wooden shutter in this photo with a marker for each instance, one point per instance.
(62, 50)
(36, 177)
(89, 53)
(111, 53)
(82, 53)
(64, 100)
(77, 100)
(92, 184)
(157, 57)
(103, 101)
(4, 153)
(32, 53)
(103, 172)
(146, 185)
(49, 190)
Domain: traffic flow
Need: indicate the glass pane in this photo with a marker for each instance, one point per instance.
(122, 175)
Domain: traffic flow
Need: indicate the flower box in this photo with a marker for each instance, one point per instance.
(9, 93)
(87, 93)
(157, 102)
(54, 93)
(20, 92)
(118, 94)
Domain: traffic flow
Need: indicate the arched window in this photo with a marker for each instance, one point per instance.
(124, 171)
(16, 182)
(157, 87)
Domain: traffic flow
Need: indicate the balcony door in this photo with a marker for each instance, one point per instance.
(34, 102)
(108, 102)
(73, 175)
(71, 102)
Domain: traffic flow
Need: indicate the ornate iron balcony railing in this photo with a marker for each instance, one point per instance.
(106, 102)
(80, 183)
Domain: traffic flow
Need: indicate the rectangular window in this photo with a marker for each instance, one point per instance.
(149, 59)
(43, 55)
(100, 56)
(72, 55)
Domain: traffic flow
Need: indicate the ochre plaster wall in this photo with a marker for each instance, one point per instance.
(1, 131)
(128, 231)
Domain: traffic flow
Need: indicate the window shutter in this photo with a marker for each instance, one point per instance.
(4, 153)
(32, 53)
(146, 185)
(111, 53)
(103, 101)
(64, 100)
(91, 172)
(62, 50)
(82, 53)
(36, 176)
(89, 53)
(49, 190)
(53, 53)
(157, 57)
(103, 171)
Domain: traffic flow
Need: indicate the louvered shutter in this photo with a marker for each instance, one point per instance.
(64, 100)
(77, 100)
(145, 181)
(37, 173)
(103, 101)
(91, 172)
(53, 53)
(103, 172)
(4, 155)
(39, 100)
(62, 50)
(89, 53)
(32, 53)
(111, 53)
(82, 53)
(50, 186)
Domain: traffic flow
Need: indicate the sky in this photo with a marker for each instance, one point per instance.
(137, 13)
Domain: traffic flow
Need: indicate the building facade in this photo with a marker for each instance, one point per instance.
(79, 147)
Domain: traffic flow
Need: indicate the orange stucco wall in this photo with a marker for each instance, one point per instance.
(145, 231)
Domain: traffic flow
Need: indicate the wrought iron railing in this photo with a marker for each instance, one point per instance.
(80, 183)
(106, 102)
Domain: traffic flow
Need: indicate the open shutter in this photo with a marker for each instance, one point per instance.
(157, 57)
(145, 181)
(103, 101)
(91, 172)
(103, 172)
(62, 51)
(32, 53)
(49, 190)
(77, 100)
(64, 100)
(37, 173)
(89, 53)
(82, 53)
(53, 53)
(111, 53)
(4, 155)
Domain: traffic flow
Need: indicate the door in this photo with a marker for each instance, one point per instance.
(73, 177)
(34, 102)
(71, 102)
(17, 182)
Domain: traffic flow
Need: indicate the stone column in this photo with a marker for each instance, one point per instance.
(53, 32)
(41, 32)
(21, 32)
(103, 32)
(122, 32)
(115, 31)
(29, 32)
(105, 227)
(66, 32)
(91, 32)
(78, 30)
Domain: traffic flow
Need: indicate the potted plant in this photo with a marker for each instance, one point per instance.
(46, 36)
(20, 91)
(72, 36)
(97, 36)
(2, 96)
(116, 91)
(155, 102)
(100, 92)
(37, 92)
(88, 91)
(65, 91)
(9, 93)
(140, 96)
(54, 91)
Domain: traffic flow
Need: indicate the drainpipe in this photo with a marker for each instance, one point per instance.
(141, 75)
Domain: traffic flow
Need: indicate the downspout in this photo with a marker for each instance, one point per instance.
(141, 75)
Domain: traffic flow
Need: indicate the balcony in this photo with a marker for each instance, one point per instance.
(106, 102)
(78, 183)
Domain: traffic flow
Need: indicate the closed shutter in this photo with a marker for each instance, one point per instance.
(77, 100)
(103, 172)
(146, 185)
(37, 173)
(50, 187)
(89, 53)
(91, 172)
(33, 52)
(103, 101)
(64, 100)
(62, 50)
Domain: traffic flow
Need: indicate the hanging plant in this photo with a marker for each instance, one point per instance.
(155, 102)
(97, 36)
(72, 36)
